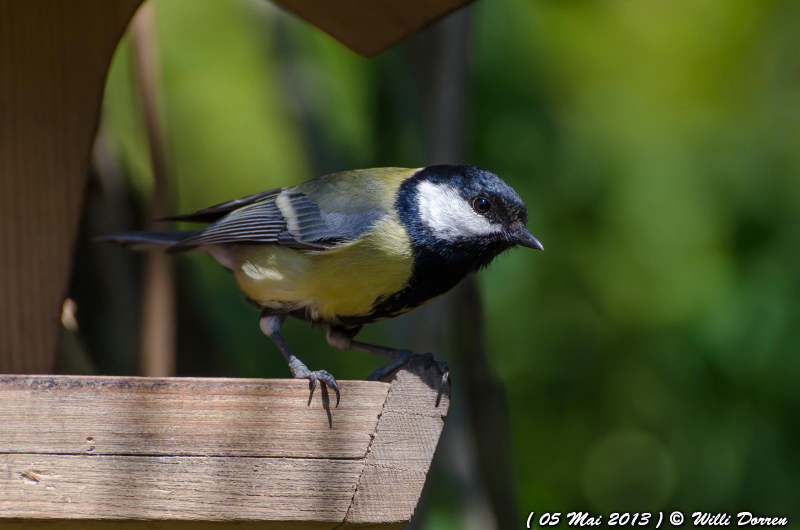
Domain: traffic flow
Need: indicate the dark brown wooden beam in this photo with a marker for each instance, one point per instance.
(53, 62)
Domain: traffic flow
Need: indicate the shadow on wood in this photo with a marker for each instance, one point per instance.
(120, 452)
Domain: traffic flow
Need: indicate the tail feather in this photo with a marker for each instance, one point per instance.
(147, 240)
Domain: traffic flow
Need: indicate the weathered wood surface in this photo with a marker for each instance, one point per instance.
(186, 417)
(85, 452)
(401, 451)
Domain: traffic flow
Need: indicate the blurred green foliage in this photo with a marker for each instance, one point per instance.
(650, 354)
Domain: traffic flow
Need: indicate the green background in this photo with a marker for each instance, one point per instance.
(649, 356)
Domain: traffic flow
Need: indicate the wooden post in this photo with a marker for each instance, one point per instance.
(126, 452)
(53, 62)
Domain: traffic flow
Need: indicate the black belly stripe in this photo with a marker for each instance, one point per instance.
(436, 270)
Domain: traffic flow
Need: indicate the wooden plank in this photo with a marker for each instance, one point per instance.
(185, 416)
(53, 62)
(189, 488)
(175, 453)
(371, 27)
(401, 452)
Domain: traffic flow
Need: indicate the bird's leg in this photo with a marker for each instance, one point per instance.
(271, 325)
(342, 339)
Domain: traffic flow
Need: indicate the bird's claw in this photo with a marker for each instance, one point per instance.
(320, 375)
(445, 369)
(403, 359)
(443, 366)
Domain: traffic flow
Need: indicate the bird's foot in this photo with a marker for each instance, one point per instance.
(326, 378)
(403, 358)
(300, 371)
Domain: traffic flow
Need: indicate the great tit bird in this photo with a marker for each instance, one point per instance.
(351, 248)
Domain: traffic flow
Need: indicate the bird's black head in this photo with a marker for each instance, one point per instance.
(463, 214)
(459, 219)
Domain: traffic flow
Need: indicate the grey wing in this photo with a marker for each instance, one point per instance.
(216, 212)
(289, 218)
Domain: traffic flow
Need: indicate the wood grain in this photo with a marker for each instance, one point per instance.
(185, 416)
(53, 62)
(202, 488)
(125, 452)
(400, 454)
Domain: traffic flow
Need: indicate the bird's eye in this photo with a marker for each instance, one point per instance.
(481, 204)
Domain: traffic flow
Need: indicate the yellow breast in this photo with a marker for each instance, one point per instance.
(343, 281)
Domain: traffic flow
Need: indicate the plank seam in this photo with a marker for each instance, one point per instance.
(366, 457)
(181, 455)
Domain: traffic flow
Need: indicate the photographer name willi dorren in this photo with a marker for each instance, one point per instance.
(675, 519)
(741, 519)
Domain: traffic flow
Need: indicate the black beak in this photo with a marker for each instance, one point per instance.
(522, 236)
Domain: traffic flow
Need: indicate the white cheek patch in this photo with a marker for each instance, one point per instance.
(449, 215)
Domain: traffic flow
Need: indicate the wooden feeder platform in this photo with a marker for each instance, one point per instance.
(138, 452)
